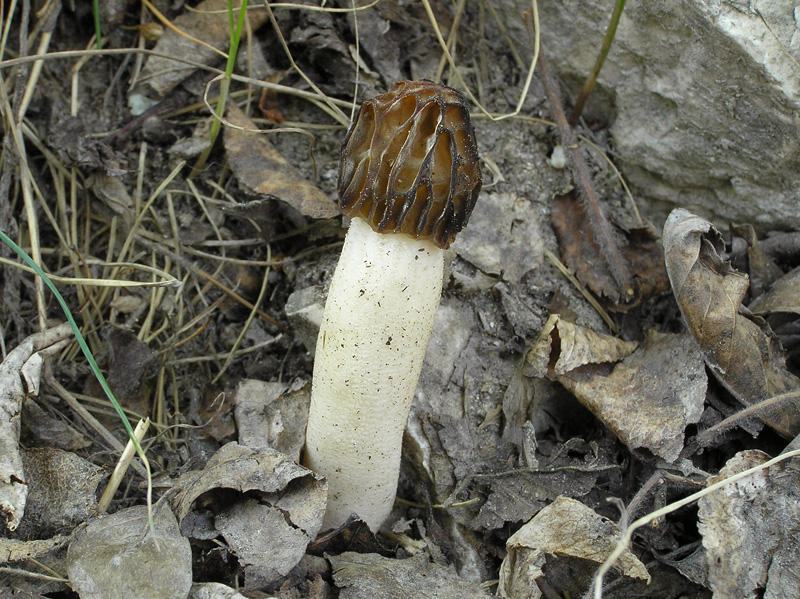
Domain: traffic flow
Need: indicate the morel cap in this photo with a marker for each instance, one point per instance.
(410, 163)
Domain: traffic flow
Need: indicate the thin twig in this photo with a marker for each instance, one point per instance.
(625, 538)
(73, 403)
(601, 226)
(705, 438)
(201, 273)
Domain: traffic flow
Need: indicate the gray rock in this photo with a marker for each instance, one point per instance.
(703, 97)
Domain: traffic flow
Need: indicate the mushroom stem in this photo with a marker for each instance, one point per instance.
(378, 318)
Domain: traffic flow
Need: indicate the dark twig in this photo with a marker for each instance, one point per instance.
(707, 437)
(601, 227)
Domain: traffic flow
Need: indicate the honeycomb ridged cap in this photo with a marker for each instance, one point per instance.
(410, 164)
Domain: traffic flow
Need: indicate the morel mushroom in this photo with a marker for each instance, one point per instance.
(409, 178)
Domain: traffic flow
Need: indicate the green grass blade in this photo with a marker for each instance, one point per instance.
(79, 337)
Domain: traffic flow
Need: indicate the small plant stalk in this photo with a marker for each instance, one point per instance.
(225, 83)
(591, 79)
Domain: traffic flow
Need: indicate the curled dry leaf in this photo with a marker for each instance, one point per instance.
(564, 347)
(20, 373)
(762, 269)
(739, 348)
(783, 296)
(565, 530)
(748, 554)
(646, 400)
(259, 167)
(268, 526)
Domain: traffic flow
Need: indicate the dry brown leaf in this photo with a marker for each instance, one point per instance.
(131, 364)
(12, 550)
(112, 191)
(63, 491)
(576, 346)
(642, 251)
(117, 556)
(750, 530)
(646, 400)
(259, 167)
(273, 415)
(649, 398)
(516, 495)
(208, 21)
(761, 268)
(564, 530)
(739, 348)
(783, 296)
(371, 576)
(266, 544)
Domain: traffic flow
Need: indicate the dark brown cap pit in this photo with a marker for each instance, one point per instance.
(410, 163)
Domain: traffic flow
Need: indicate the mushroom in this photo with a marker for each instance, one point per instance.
(408, 178)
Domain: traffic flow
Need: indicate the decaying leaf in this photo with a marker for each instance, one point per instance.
(112, 191)
(739, 348)
(214, 412)
(371, 576)
(761, 268)
(750, 530)
(267, 545)
(19, 376)
(207, 22)
(642, 251)
(132, 363)
(566, 530)
(517, 402)
(40, 428)
(563, 347)
(647, 399)
(259, 167)
(504, 238)
(118, 556)
(783, 296)
(272, 415)
(12, 550)
(516, 495)
(62, 492)
(268, 525)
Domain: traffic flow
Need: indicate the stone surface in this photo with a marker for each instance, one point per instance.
(702, 96)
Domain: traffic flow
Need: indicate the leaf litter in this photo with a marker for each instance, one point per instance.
(508, 461)
(739, 347)
(647, 399)
(747, 555)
